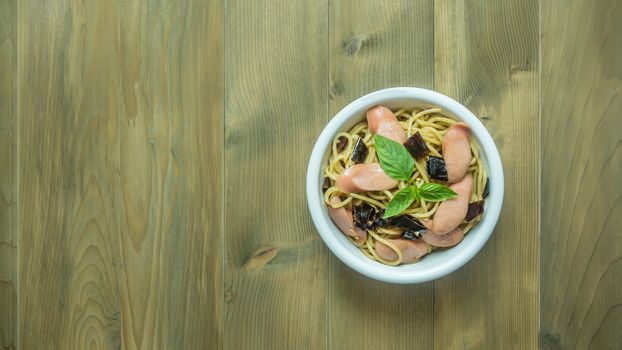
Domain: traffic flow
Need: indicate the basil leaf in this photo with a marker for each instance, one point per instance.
(433, 192)
(402, 200)
(394, 158)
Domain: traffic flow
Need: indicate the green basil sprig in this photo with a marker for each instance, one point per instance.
(433, 192)
(400, 202)
(394, 158)
(429, 191)
(397, 162)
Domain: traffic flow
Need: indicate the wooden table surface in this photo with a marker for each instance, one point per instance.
(153, 157)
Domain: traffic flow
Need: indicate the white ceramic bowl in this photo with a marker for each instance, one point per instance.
(438, 263)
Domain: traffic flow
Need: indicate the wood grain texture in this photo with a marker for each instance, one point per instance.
(120, 140)
(486, 56)
(276, 101)
(171, 134)
(153, 158)
(581, 244)
(374, 47)
(8, 175)
(69, 148)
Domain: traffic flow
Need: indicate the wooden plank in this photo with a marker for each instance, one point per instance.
(276, 102)
(581, 249)
(68, 144)
(121, 145)
(486, 57)
(374, 47)
(8, 172)
(171, 158)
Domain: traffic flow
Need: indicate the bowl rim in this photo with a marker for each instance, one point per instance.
(378, 271)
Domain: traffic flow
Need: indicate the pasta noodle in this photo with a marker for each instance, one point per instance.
(432, 125)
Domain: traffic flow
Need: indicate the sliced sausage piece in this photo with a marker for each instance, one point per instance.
(365, 177)
(383, 122)
(457, 152)
(449, 240)
(451, 212)
(342, 217)
(411, 250)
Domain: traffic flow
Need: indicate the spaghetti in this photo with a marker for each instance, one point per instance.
(432, 126)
